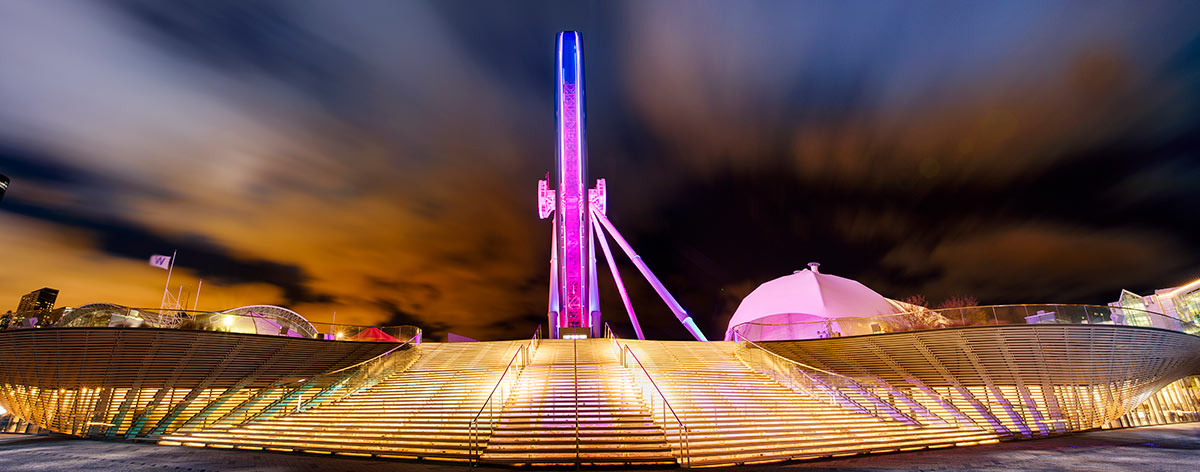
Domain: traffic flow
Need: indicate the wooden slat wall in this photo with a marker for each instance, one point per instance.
(1178, 402)
(110, 381)
(1021, 381)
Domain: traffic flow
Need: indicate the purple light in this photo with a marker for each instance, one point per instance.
(574, 299)
(572, 222)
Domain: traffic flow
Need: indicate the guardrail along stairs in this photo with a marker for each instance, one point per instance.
(625, 402)
(735, 415)
(421, 413)
(576, 404)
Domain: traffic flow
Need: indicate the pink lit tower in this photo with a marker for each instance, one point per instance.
(579, 212)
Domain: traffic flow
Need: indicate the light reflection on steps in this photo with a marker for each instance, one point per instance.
(734, 415)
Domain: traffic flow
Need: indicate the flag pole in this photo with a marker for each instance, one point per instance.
(167, 286)
(196, 306)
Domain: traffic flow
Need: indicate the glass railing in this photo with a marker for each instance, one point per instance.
(264, 320)
(994, 315)
(314, 392)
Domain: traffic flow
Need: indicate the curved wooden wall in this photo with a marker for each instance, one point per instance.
(1020, 380)
(109, 381)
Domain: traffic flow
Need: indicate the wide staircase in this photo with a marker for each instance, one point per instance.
(423, 412)
(581, 402)
(576, 404)
(735, 415)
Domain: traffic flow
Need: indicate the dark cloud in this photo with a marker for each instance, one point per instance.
(1052, 263)
(379, 159)
(430, 330)
(265, 38)
(209, 261)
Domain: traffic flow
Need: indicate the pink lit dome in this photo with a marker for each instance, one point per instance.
(808, 304)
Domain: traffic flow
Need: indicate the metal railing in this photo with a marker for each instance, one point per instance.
(268, 321)
(989, 315)
(494, 403)
(364, 375)
(650, 393)
(259, 403)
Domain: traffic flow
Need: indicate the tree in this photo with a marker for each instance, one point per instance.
(917, 317)
(917, 299)
(959, 301)
(962, 310)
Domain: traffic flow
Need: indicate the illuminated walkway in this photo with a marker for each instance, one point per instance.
(1149, 449)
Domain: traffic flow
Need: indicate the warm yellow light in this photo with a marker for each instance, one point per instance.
(339, 335)
(1182, 288)
(229, 320)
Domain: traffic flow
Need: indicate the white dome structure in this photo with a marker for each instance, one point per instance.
(809, 304)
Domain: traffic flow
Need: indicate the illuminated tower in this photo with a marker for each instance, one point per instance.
(574, 305)
(574, 308)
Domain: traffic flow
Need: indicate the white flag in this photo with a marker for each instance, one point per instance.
(160, 261)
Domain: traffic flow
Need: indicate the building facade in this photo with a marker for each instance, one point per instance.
(1182, 302)
(36, 307)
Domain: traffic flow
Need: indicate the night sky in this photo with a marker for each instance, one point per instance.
(380, 159)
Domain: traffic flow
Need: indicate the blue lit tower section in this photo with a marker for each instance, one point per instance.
(572, 218)
(579, 213)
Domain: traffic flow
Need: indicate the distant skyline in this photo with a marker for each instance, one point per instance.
(381, 161)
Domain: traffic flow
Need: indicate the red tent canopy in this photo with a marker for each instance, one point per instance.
(374, 334)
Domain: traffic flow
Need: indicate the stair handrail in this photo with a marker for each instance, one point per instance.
(503, 385)
(367, 375)
(535, 342)
(665, 405)
(684, 431)
(746, 346)
(341, 378)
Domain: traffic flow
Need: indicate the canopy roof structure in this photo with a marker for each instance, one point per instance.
(804, 304)
(270, 319)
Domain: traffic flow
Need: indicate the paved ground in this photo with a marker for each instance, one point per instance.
(1159, 448)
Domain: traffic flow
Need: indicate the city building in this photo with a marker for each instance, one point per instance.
(1182, 302)
(36, 306)
(3, 186)
(38, 301)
